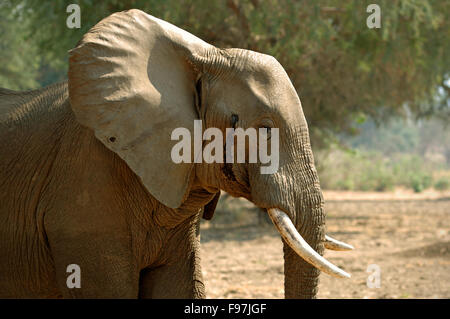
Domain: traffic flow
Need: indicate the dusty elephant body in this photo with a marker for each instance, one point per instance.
(86, 174)
(66, 199)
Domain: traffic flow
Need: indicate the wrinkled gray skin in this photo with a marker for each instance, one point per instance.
(67, 199)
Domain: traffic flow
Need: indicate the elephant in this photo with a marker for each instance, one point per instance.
(87, 177)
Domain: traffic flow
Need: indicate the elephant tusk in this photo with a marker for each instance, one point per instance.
(287, 230)
(334, 244)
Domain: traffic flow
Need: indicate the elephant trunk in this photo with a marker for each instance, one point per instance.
(301, 278)
(292, 237)
(304, 241)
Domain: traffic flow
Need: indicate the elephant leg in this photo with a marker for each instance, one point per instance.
(102, 274)
(179, 277)
(179, 280)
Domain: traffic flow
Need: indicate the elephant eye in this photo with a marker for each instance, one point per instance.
(234, 120)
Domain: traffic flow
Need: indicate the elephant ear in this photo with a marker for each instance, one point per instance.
(132, 80)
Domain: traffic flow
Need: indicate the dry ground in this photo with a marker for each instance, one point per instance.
(406, 235)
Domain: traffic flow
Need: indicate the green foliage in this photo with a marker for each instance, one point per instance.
(428, 139)
(419, 182)
(397, 153)
(413, 172)
(344, 72)
(363, 171)
(442, 184)
(392, 137)
(19, 63)
(373, 171)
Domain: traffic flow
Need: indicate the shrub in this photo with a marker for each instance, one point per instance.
(385, 182)
(420, 182)
(372, 171)
(442, 184)
(345, 184)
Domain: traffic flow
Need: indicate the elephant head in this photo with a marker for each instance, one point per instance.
(134, 79)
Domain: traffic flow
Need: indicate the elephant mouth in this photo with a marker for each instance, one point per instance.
(292, 237)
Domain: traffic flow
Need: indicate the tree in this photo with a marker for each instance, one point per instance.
(344, 71)
(19, 62)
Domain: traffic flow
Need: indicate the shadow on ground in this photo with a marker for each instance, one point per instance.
(436, 250)
(235, 232)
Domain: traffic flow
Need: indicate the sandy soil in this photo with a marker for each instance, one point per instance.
(406, 235)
